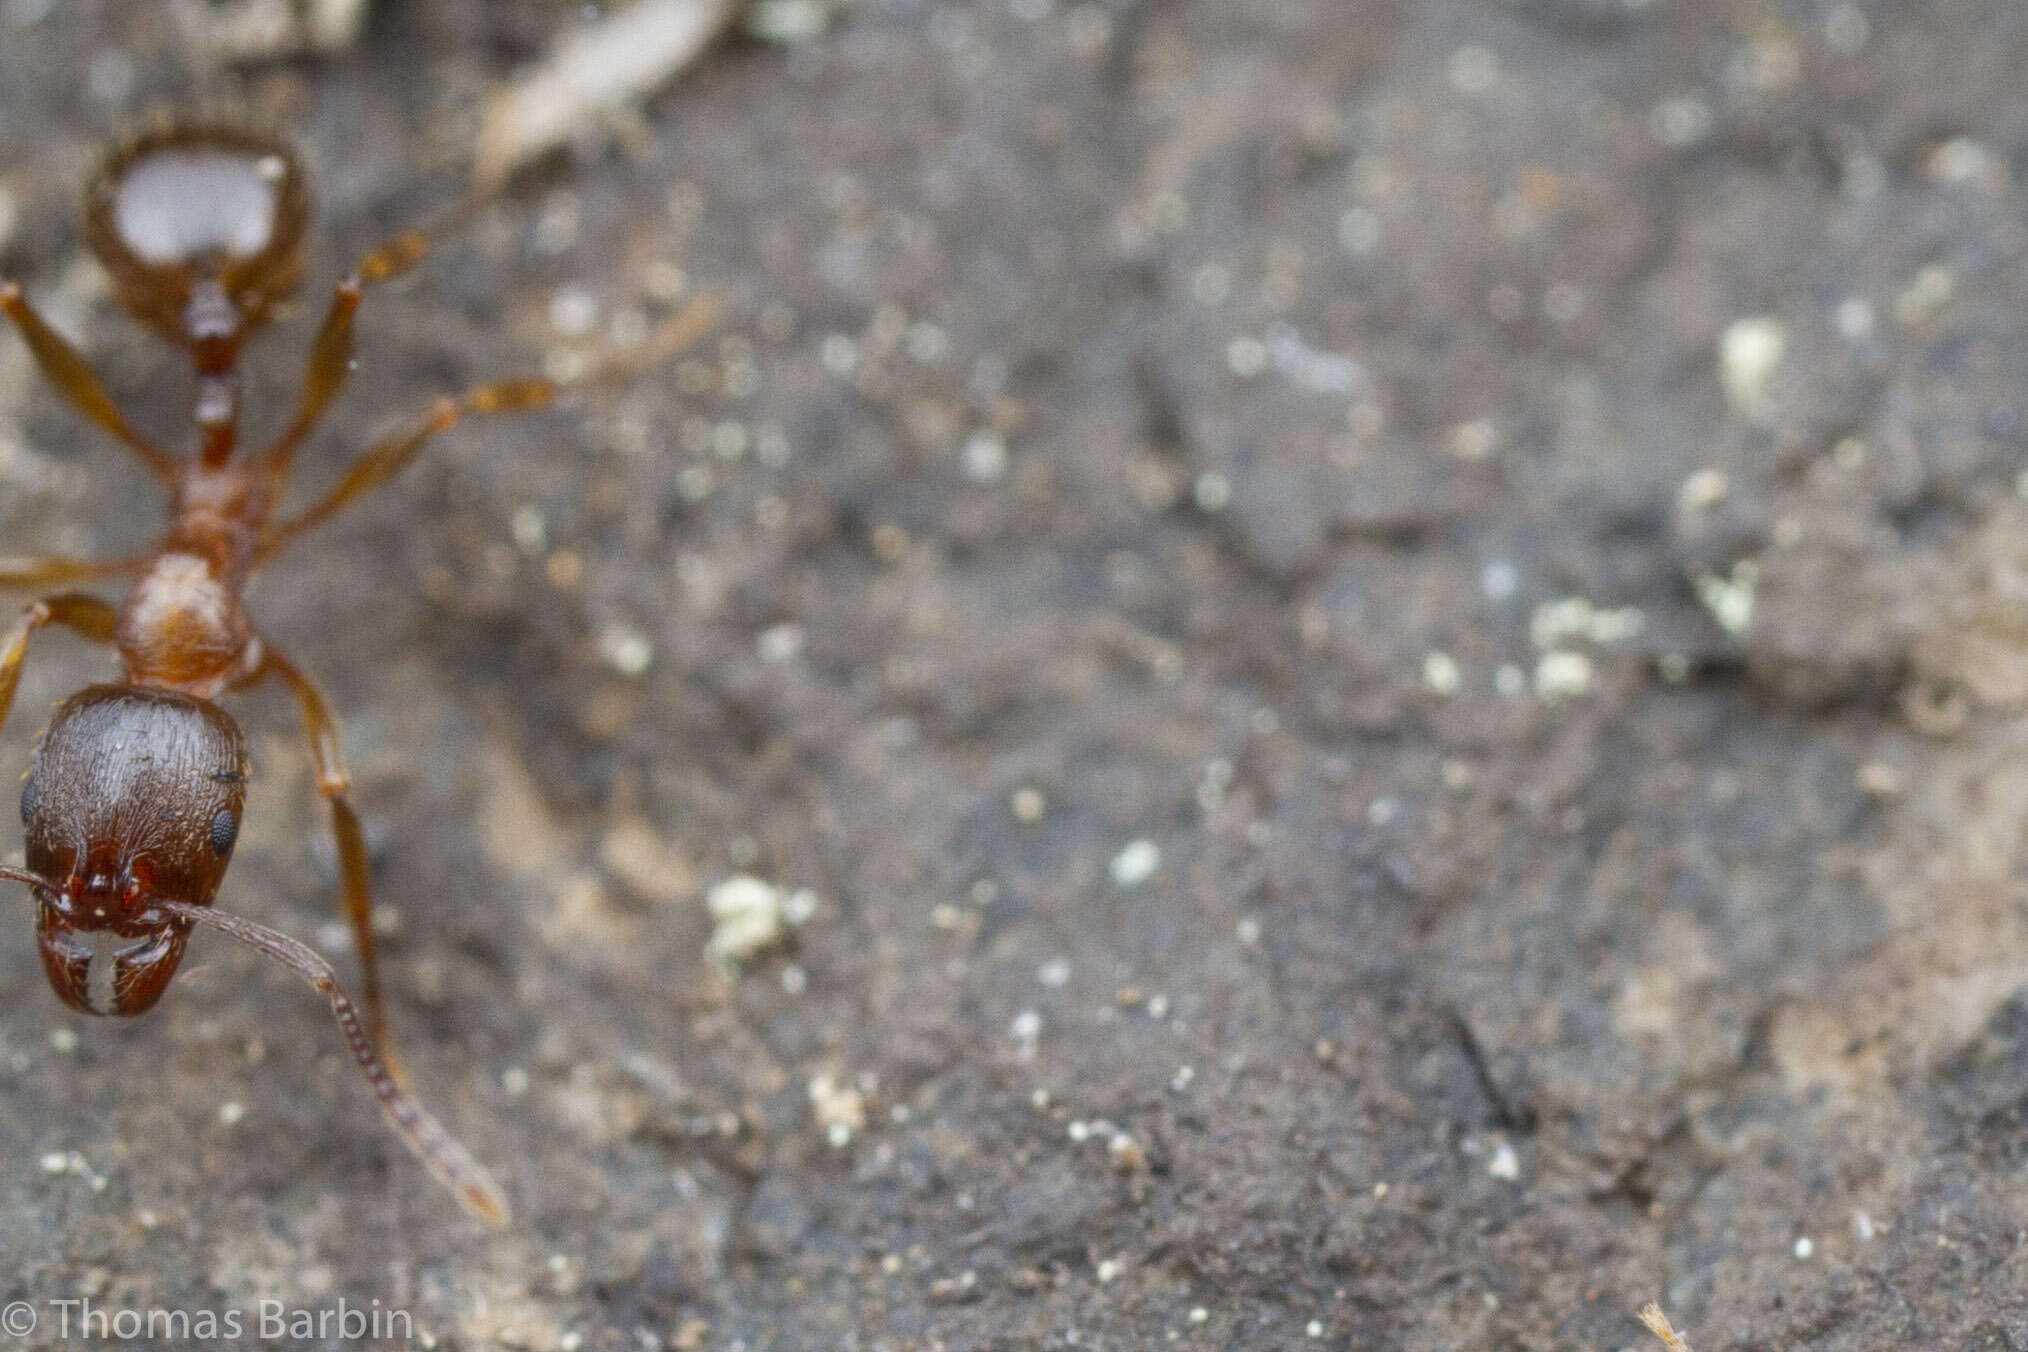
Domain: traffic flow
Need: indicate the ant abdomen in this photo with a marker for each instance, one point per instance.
(204, 228)
(135, 797)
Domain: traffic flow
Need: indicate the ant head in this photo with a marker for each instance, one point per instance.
(134, 799)
(203, 226)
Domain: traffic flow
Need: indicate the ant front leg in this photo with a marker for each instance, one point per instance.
(334, 781)
(87, 614)
(65, 368)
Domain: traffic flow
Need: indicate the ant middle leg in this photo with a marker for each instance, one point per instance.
(87, 614)
(66, 369)
(334, 781)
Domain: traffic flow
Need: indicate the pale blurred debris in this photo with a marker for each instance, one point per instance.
(592, 73)
(223, 32)
(785, 21)
(750, 915)
(1658, 1323)
(1748, 355)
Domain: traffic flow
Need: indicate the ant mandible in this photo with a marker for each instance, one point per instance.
(133, 804)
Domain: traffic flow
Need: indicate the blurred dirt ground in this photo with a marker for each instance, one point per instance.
(1392, 641)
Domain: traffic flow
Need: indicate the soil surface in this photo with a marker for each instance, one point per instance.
(1382, 650)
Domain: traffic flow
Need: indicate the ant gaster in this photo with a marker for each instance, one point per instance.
(134, 800)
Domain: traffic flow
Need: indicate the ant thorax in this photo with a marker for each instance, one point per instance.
(183, 627)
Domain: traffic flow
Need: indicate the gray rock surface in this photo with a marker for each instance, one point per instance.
(1352, 784)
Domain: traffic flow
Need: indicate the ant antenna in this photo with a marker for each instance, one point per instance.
(439, 1151)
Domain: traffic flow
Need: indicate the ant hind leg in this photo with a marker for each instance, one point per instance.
(388, 457)
(330, 358)
(65, 368)
(49, 570)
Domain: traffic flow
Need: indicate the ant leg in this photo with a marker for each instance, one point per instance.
(334, 781)
(48, 570)
(87, 614)
(331, 351)
(389, 457)
(66, 369)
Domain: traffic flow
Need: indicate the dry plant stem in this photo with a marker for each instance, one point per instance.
(596, 70)
(439, 1151)
(1658, 1324)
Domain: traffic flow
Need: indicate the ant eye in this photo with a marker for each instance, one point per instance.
(224, 831)
(28, 802)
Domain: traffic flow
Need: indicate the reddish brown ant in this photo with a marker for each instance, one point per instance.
(134, 801)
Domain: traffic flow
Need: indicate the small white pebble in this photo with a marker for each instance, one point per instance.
(1314, 1329)
(1078, 1131)
(231, 1111)
(1054, 973)
(1510, 680)
(1027, 805)
(1855, 319)
(514, 1081)
(625, 649)
(1474, 69)
(573, 312)
(746, 914)
(780, 643)
(1681, 122)
(1248, 931)
(1136, 863)
(1211, 492)
(1358, 231)
(529, 529)
(1158, 1006)
(839, 354)
(1730, 599)
(1475, 441)
(1505, 1164)
(1959, 160)
(1107, 1270)
(1705, 488)
(1026, 1030)
(1562, 674)
(1198, 1314)
(1748, 352)
(1555, 621)
(984, 457)
(839, 1107)
(1246, 357)
(1923, 297)
(1862, 1225)
(1804, 1248)
(55, 1162)
(1440, 674)
(1498, 580)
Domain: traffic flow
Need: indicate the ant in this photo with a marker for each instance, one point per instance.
(133, 804)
